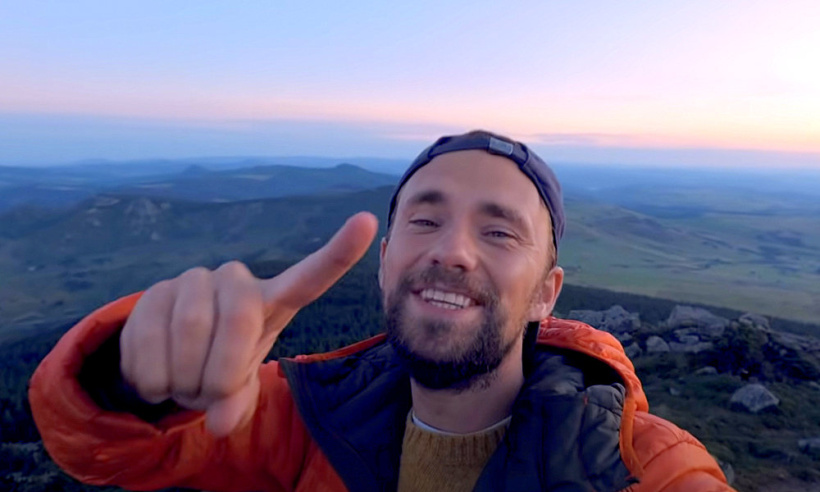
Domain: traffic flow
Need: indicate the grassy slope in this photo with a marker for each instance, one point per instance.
(750, 262)
(761, 263)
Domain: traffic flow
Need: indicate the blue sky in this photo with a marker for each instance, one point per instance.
(730, 83)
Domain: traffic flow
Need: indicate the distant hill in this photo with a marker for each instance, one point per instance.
(200, 180)
(64, 262)
(199, 184)
(738, 247)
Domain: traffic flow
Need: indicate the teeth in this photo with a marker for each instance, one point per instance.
(449, 300)
(444, 305)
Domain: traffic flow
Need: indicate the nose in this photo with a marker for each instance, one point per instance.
(455, 248)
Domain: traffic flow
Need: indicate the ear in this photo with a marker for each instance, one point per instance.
(544, 303)
(382, 251)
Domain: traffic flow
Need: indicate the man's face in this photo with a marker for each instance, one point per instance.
(464, 267)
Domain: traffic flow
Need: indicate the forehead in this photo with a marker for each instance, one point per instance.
(474, 174)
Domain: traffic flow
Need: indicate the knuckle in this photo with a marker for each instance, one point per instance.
(196, 274)
(161, 288)
(191, 323)
(233, 268)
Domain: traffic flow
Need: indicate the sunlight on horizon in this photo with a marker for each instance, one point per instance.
(734, 75)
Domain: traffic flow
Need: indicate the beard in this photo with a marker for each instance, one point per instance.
(471, 364)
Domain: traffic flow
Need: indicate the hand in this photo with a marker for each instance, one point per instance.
(199, 338)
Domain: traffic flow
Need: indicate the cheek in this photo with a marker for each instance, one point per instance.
(393, 263)
(522, 280)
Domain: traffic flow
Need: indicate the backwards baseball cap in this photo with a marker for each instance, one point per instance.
(528, 162)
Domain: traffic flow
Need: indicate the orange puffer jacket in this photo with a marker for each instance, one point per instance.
(334, 421)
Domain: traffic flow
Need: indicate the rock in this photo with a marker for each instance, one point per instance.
(687, 339)
(728, 471)
(633, 350)
(694, 348)
(624, 338)
(799, 343)
(674, 391)
(656, 344)
(704, 322)
(706, 371)
(814, 384)
(614, 320)
(754, 398)
(754, 320)
(810, 446)
(592, 318)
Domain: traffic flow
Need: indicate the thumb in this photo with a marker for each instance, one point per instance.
(305, 281)
(228, 414)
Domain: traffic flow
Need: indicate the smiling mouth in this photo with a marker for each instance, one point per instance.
(446, 300)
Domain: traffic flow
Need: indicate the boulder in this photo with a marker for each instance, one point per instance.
(691, 348)
(686, 336)
(810, 446)
(753, 398)
(614, 320)
(624, 338)
(656, 344)
(703, 322)
(728, 471)
(706, 371)
(752, 319)
(633, 350)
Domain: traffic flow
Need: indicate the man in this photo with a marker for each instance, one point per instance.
(474, 387)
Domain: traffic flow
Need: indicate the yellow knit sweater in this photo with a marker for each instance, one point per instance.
(434, 462)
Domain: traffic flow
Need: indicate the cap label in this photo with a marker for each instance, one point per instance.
(499, 146)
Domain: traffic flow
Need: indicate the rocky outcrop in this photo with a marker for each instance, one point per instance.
(614, 320)
(752, 319)
(656, 344)
(689, 340)
(143, 212)
(698, 320)
(754, 398)
(746, 346)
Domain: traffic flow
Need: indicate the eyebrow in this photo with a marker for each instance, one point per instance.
(489, 209)
(497, 211)
(431, 197)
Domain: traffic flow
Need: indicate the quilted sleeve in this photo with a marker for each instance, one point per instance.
(672, 459)
(112, 448)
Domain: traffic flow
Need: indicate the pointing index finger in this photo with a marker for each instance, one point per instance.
(305, 281)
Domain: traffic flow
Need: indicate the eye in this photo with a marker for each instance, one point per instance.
(499, 234)
(423, 223)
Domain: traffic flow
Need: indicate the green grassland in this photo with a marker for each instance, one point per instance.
(765, 260)
(765, 263)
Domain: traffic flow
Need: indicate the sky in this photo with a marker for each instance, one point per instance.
(729, 83)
